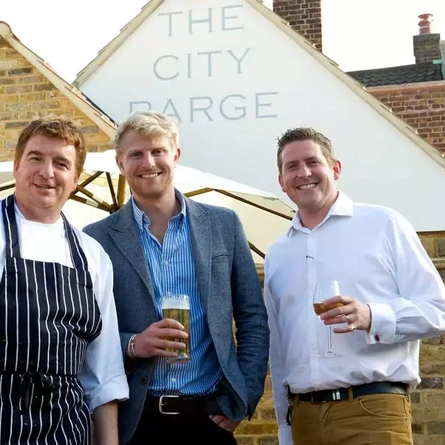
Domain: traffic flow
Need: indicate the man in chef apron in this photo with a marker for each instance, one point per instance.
(60, 358)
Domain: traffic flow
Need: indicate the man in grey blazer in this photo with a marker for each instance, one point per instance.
(163, 243)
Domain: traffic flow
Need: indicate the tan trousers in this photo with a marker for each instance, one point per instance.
(380, 419)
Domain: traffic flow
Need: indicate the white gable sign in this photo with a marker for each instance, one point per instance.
(235, 79)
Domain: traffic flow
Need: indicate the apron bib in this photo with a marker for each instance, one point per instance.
(48, 316)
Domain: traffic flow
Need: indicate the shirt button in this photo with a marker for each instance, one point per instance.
(144, 380)
(166, 262)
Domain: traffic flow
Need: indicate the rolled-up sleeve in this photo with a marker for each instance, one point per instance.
(103, 376)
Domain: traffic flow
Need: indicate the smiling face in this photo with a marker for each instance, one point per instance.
(148, 164)
(307, 177)
(45, 177)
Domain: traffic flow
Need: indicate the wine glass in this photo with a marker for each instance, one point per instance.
(323, 291)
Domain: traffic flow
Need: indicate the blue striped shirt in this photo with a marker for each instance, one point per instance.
(173, 271)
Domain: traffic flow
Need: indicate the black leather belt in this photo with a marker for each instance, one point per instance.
(333, 395)
(174, 405)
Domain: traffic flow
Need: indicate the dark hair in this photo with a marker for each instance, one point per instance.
(304, 134)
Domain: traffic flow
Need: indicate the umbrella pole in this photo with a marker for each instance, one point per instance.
(121, 191)
(112, 192)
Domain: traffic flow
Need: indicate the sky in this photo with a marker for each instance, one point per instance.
(355, 35)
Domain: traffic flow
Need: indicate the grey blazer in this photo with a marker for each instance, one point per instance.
(229, 287)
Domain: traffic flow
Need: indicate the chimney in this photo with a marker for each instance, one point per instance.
(426, 43)
(303, 16)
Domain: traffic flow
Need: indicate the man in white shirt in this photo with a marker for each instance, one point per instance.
(355, 389)
(60, 357)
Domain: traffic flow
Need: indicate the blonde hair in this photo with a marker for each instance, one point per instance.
(149, 124)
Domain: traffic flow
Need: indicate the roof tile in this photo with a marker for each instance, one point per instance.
(420, 72)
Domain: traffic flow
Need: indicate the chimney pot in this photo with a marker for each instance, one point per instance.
(425, 23)
(426, 44)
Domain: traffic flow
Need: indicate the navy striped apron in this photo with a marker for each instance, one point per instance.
(48, 316)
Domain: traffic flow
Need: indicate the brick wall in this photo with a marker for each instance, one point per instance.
(25, 94)
(428, 405)
(304, 16)
(421, 105)
(428, 401)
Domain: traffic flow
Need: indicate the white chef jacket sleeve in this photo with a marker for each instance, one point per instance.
(419, 309)
(103, 376)
(277, 370)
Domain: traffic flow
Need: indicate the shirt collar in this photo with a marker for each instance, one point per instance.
(21, 219)
(142, 219)
(343, 206)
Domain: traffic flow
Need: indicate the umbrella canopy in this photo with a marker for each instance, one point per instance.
(103, 190)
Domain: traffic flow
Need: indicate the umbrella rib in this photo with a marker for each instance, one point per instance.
(100, 206)
(7, 187)
(94, 198)
(198, 192)
(254, 204)
(110, 185)
(256, 250)
(90, 179)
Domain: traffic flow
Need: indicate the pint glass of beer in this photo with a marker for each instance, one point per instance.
(177, 307)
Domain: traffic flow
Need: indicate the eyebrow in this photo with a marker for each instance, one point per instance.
(34, 152)
(311, 158)
(57, 158)
(63, 158)
(160, 147)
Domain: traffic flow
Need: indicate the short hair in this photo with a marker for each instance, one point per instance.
(304, 134)
(54, 128)
(149, 124)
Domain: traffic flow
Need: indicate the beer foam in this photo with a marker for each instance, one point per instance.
(176, 303)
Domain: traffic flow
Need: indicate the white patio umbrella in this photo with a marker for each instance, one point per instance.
(103, 190)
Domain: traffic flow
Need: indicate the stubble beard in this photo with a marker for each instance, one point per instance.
(156, 193)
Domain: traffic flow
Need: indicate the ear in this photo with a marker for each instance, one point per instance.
(336, 168)
(119, 163)
(280, 180)
(75, 182)
(15, 167)
(177, 155)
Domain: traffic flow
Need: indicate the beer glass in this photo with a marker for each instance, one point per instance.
(177, 307)
(324, 290)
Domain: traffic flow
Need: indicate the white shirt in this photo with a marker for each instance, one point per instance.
(377, 258)
(103, 376)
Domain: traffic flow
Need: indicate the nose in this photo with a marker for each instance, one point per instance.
(149, 160)
(47, 170)
(303, 171)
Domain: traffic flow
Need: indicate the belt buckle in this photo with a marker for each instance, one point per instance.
(335, 396)
(162, 404)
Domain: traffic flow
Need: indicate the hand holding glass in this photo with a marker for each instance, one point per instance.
(325, 290)
(177, 307)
